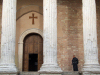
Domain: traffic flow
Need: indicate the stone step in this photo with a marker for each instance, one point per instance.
(28, 73)
(71, 73)
(36, 73)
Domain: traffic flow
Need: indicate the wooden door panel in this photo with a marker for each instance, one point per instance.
(40, 57)
(36, 47)
(33, 43)
(40, 61)
(31, 47)
(25, 48)
(25, 66)
(39, 66)
(26, 57)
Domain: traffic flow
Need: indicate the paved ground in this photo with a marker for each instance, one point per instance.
(65, 73)
(36, 73)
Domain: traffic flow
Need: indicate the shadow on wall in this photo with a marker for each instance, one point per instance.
(29, 8)
(98, 26)
(0, 24)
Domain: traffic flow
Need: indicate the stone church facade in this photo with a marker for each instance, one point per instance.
(49, 32)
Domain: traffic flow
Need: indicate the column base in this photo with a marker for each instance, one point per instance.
(91, 68)
(91, 73)
(8, 69)
(50, 69)
(8, 74)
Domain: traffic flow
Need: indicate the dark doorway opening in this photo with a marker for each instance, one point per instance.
(33, 62)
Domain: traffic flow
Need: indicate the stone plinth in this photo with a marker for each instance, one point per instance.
(91, 73)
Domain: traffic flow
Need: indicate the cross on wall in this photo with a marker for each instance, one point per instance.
(32, 17)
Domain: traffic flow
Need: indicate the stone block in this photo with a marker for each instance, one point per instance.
(50, 74)
(8, 74)
(91, 73)
(72, 73)
(28, 73)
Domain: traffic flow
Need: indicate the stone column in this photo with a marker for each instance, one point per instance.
(90, 36)
(50, 37)
(7, 64)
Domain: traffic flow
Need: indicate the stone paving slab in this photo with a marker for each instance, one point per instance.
(29, 73)
(90, 74)
(50, 74)
(8, 74)
(64, 73)
(71, 73)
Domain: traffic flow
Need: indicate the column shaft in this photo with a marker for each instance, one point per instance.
(90, 36)
(8, 36)
(50, 36)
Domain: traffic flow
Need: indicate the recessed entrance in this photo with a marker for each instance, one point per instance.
(33, 62)
(33, 52)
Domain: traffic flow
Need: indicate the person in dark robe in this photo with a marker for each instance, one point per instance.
(75, 63)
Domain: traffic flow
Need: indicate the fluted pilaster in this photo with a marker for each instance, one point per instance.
(50, 37)
(90, 36)
(7, 63)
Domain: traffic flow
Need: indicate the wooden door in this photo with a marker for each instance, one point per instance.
(33, 44)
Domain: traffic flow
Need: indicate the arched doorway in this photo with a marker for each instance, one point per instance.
(32, 52)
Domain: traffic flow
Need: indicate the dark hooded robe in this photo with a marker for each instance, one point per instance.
(74, 63)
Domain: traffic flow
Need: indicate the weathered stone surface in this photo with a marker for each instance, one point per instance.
(7, 64)
(72, 73)
(8, 74)
(70, 21)
(90, 36)
(50, 37)
(50, 74)
(91, 73)
(36, 73)
(28, 73)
